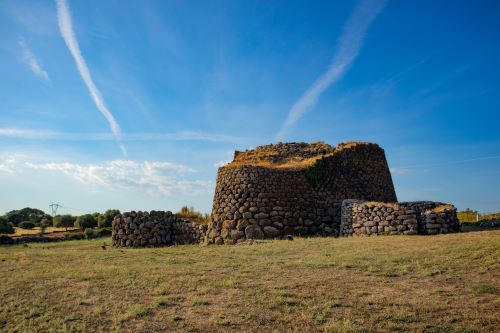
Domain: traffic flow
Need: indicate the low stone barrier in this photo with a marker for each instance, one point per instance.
(441, 220)
(153, 229)
(366, 218)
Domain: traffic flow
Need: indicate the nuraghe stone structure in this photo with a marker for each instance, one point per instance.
(295, 188)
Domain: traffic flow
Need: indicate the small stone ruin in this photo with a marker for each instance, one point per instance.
(155, 228)
(408, 218)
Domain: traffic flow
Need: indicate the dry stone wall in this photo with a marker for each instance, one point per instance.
(361, 218)
(252, 201)
(153, 229)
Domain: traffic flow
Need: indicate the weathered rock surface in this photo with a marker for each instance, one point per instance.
(153, 229)
(361, 218)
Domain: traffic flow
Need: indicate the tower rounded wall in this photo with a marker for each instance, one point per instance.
(254, 202)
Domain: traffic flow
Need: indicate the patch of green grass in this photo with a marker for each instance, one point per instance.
(134, 311)
(399, 318)
(486, 289)
(200, 302)
(162, 301)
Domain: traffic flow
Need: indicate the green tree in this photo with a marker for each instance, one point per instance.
(26, 225)
(32, 215)
(5, 226)
(44, 224)
(64, 221)
(85, 221)
(105, 220)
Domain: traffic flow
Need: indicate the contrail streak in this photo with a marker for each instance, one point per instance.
(348, 47)
(67, 33)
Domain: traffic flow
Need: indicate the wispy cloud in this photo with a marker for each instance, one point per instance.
(153, 177)
(32, 61)
(221, 163)
(399, 171)
(66, 29)
(19, 133)
(348, 47)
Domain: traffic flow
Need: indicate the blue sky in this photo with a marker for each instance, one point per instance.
(133, 104)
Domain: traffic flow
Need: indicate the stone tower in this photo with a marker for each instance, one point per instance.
(295, 188)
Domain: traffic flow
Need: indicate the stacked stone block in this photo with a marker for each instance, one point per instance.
(374, 218)
(441, 220)
(409, 218)
(252, 201)
(134, 229)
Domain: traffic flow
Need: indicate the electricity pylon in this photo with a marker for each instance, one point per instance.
(54, 207)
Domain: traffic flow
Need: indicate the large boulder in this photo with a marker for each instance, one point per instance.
(254, 232)
(271, 232)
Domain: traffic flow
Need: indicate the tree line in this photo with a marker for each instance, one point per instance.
(28, 218)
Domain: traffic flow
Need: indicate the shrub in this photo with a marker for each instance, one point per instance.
(85, 221)
(4, 239)
(103, 232)
(26, 225)
(75, 235)
(105, 220)
(314, 172)
(45, 223)
(5, 226)
(88, 233)
(64, 221)
(190, 213)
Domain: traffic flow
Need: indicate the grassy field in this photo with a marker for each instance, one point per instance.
(36, 231)
(443, 283)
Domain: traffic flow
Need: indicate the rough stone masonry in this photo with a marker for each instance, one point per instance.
(295, 189)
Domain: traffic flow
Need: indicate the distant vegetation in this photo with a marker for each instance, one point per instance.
(29, 218)
(469, 215)
(190, 213)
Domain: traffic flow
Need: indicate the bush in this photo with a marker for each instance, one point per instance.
(85, 221)
(190, 213)
(102, 232)
(27, 225)
(89, 233)
(45, 223)
(105, 220)
(75, 235)
(4, 239)
(5, 226)
(64, 221)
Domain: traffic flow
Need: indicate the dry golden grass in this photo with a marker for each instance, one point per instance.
(269, 157)
(442, 208)
(443, 283)
(393, 205)
(36, 231)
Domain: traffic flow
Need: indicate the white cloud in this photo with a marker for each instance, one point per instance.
(221, 163)
(8, 165)
(67, 33)
(153, 177)
(348, 47)
(399, 171)
(30, 59)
